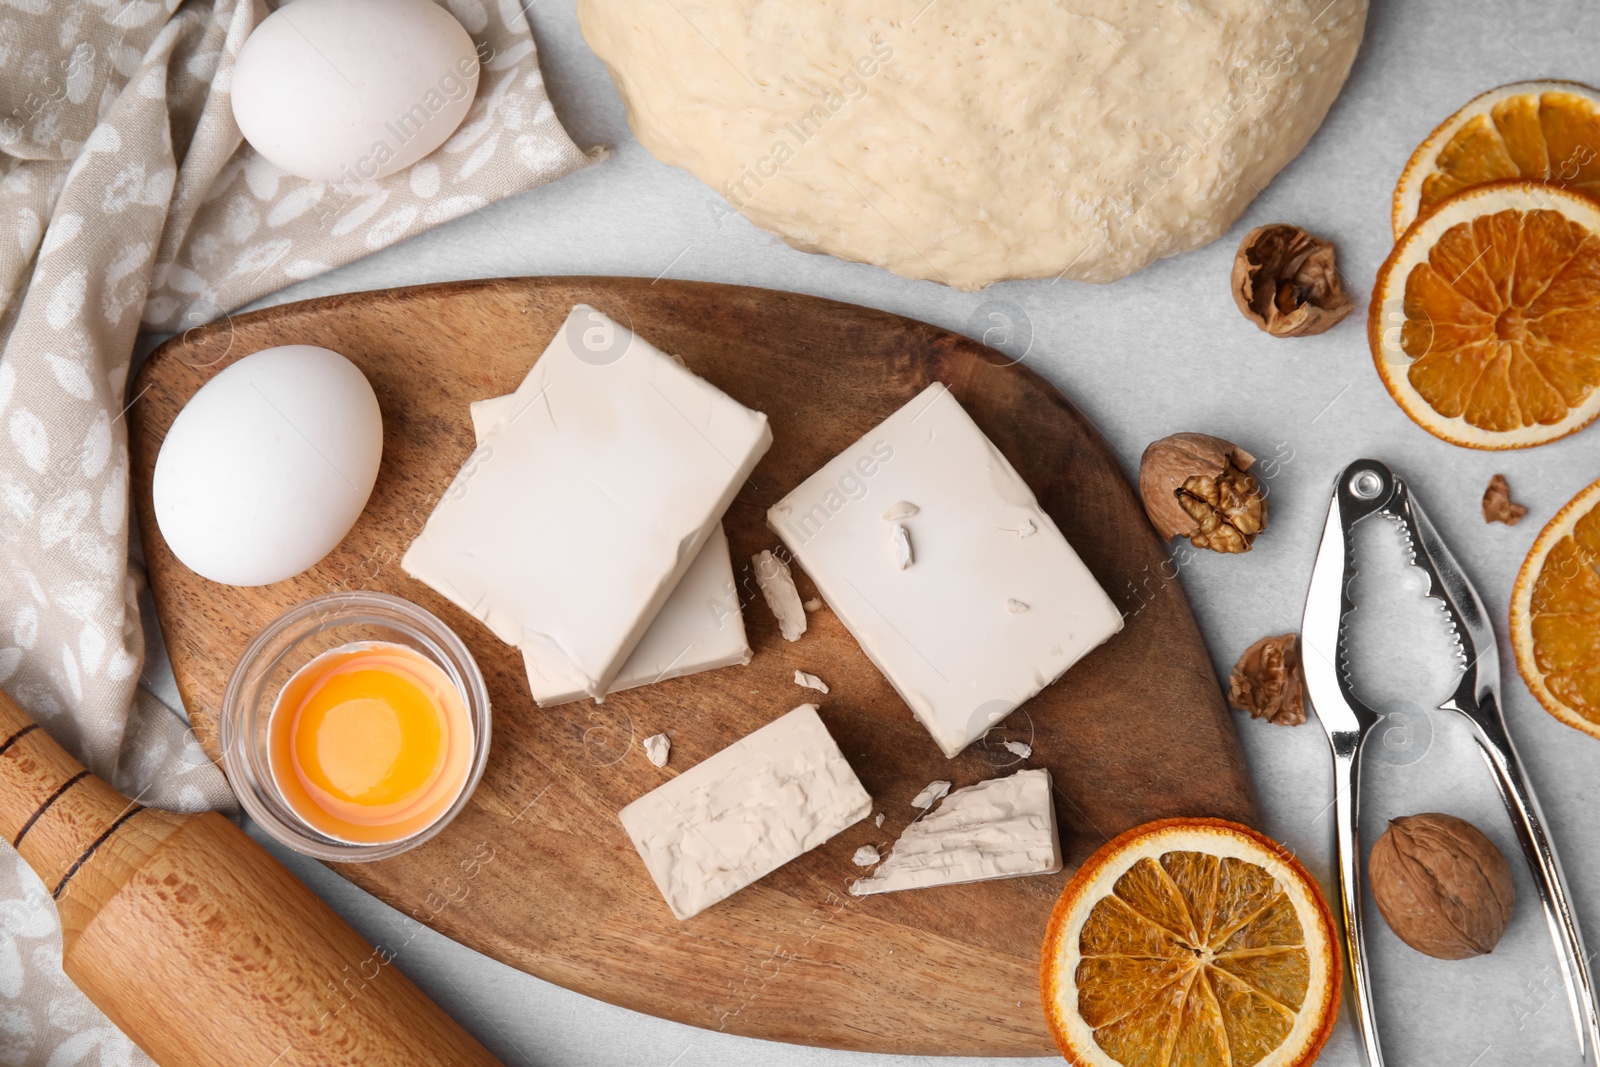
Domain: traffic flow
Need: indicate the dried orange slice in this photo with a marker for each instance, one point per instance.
(1485, 321)
(1192, 942)
(1555, 614)
(1541, 130)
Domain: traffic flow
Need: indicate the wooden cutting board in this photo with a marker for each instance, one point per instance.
(537, 871)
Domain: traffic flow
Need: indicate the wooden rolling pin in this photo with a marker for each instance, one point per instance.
(198, 944)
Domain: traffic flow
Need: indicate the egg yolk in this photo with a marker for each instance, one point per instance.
(369, 737)
(370, 742)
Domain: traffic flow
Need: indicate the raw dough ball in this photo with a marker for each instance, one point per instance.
(968, 142)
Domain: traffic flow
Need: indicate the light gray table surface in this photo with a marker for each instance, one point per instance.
(1162, 351)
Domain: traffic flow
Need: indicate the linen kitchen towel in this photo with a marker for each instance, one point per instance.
(127, 196)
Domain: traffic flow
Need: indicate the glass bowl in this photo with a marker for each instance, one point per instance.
(287, 644)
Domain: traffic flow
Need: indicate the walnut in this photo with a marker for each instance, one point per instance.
(1267, 681)
(1200, 487)
(1441, 885)
(1285, 281)
(1497, 503)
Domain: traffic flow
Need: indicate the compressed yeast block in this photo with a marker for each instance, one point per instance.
(588, 499)
(744, 812)
(699, 628)
(937, 557)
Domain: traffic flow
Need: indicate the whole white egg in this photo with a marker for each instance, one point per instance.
(351, 90)
(268, 466)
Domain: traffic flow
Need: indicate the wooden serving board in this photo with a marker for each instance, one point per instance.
(537, 871)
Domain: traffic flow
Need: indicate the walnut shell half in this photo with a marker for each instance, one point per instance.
(1200, 487)
(1441, 885)
(1285, 281)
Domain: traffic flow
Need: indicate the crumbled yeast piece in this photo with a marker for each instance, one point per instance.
(1001, 828)
(1020, 749)
(903, 510)
(865, 856)
(777, 588)
(930, 795)
(657, 748)
(901, 538)
(810, 681)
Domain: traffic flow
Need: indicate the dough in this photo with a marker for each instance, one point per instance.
(969, 141)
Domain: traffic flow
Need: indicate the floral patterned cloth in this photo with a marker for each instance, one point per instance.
(128, 197)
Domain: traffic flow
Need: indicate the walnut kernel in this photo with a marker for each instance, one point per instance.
(1285, 281)
(1498, 505)
(1200, 487)
(1267, 681)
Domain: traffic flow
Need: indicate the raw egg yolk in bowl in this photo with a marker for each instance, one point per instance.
(370, 742)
